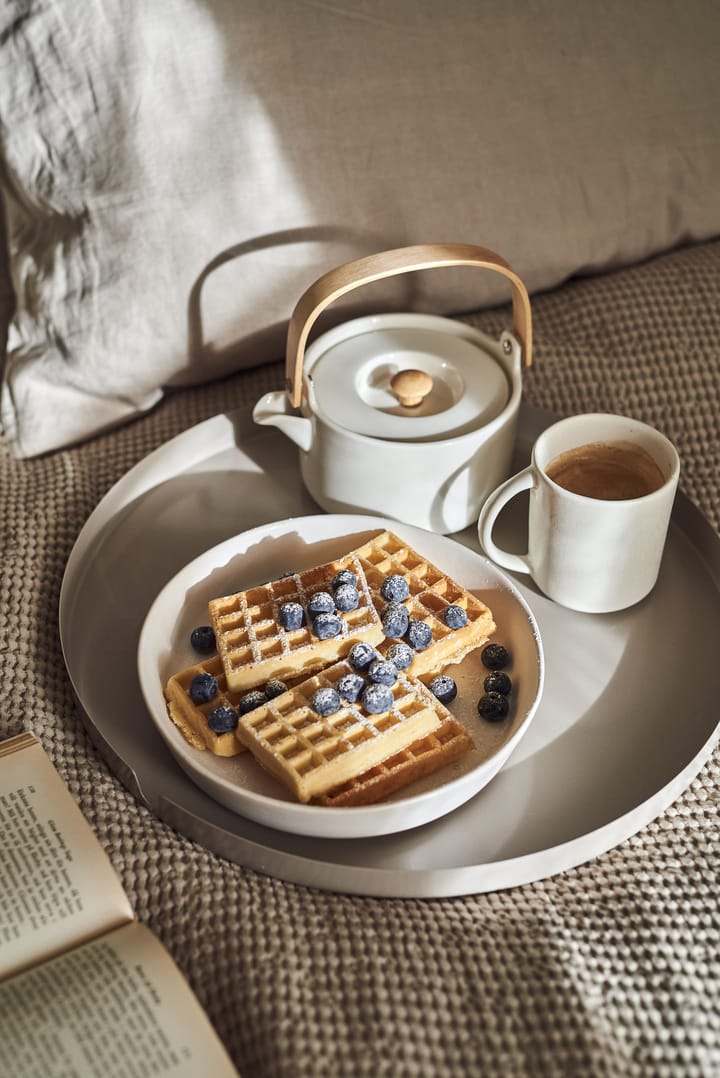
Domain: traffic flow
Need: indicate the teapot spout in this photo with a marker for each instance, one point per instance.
(275, 410)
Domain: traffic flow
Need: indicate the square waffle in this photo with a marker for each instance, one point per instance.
(312, 754)
(254, 647)
(431, 593)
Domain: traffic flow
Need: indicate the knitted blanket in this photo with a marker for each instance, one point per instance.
(607, 969)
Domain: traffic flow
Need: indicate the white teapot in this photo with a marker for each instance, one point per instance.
(407, 416)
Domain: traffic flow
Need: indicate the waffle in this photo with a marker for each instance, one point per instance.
(311, 754)
(191, 718)
(423, 757)
(431, 592)
(254, 647)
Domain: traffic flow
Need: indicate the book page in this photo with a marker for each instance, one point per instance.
(117, 1006)
(57, 885)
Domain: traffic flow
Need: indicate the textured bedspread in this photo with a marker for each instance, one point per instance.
(612, 968)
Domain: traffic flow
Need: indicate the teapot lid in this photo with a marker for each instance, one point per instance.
(406, 377)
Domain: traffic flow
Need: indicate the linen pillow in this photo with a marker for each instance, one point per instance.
(175, 175)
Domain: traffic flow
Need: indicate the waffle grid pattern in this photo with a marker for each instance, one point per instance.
(423, 757)
(253, 645)
(431, 592)
(311, 753)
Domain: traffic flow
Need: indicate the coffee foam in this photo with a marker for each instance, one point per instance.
(608, 471)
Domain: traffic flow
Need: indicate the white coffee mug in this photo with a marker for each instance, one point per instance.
(591, 553)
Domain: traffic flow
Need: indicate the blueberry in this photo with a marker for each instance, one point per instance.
(343, 577)
(395, 588)
(291, 616)
(202, 639)
(350, 686)
(275, 688)
(455, 617)
(395, 619)
(400, 654)
(444, 688)
(361, 655)
(497, 681)
(222, 720)
(203, 688)
(418, 634)
(325, 701)
(493, 706)
(325, 626)
(321, 602)
(251, 700)
(376, 699)
(495, 656)
(347, 597)
(383, 672)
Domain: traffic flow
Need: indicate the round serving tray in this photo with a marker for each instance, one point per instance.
(620, 732)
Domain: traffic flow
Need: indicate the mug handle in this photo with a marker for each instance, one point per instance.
(375, 267)
(518, 563)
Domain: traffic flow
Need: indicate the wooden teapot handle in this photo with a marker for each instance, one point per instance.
(363, 271)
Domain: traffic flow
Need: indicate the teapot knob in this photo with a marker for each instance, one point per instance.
(411, 387)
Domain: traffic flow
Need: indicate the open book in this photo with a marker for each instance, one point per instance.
(85, 990)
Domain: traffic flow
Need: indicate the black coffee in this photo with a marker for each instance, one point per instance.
(612, 471)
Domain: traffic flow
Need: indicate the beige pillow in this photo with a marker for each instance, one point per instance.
(176, 174)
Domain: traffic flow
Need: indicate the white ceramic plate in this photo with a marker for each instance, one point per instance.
(266, 552)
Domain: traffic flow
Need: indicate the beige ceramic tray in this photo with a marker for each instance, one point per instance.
(620, 732)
